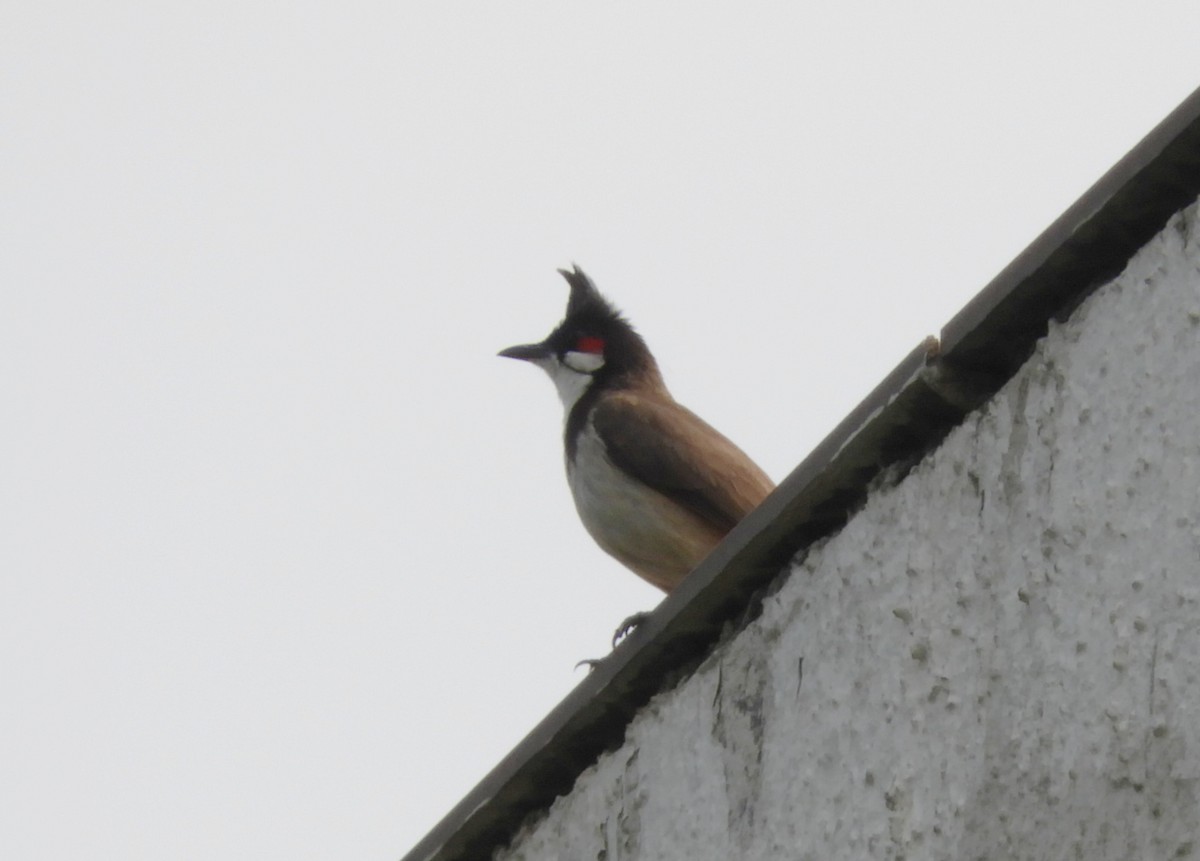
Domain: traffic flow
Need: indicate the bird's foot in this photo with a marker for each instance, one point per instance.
(628, 626)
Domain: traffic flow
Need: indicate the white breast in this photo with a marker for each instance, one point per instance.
(656, 538)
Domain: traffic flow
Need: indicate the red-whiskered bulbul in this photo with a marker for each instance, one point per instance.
(655, 485)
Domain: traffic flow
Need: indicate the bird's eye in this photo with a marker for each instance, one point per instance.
(590, 344)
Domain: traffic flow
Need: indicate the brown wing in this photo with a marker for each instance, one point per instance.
(674, 451)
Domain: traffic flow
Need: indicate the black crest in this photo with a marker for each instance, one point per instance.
(589, 313)
(585, 300)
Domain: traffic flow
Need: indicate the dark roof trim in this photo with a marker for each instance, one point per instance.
(905, 416)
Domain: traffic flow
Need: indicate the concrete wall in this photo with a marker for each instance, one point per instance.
(999, 657)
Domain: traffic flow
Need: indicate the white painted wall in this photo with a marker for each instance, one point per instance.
(1001, 654)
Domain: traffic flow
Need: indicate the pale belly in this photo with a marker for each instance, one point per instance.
(655, 538)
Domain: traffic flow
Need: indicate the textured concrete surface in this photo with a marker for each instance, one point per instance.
(998, 657)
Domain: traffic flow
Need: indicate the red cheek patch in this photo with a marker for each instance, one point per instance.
(590, 344)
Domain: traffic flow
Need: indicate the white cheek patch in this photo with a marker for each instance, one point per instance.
(584, 363)
(570, 382)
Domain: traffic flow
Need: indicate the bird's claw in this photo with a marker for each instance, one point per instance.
(628, 626)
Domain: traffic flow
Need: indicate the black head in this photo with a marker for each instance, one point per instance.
(593, 339)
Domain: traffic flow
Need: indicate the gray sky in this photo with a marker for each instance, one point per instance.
(287, 560)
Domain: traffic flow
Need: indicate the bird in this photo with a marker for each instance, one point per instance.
(655, 485)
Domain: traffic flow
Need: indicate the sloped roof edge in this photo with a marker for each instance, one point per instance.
(906, 415)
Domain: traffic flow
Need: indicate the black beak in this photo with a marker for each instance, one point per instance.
(526, 352)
